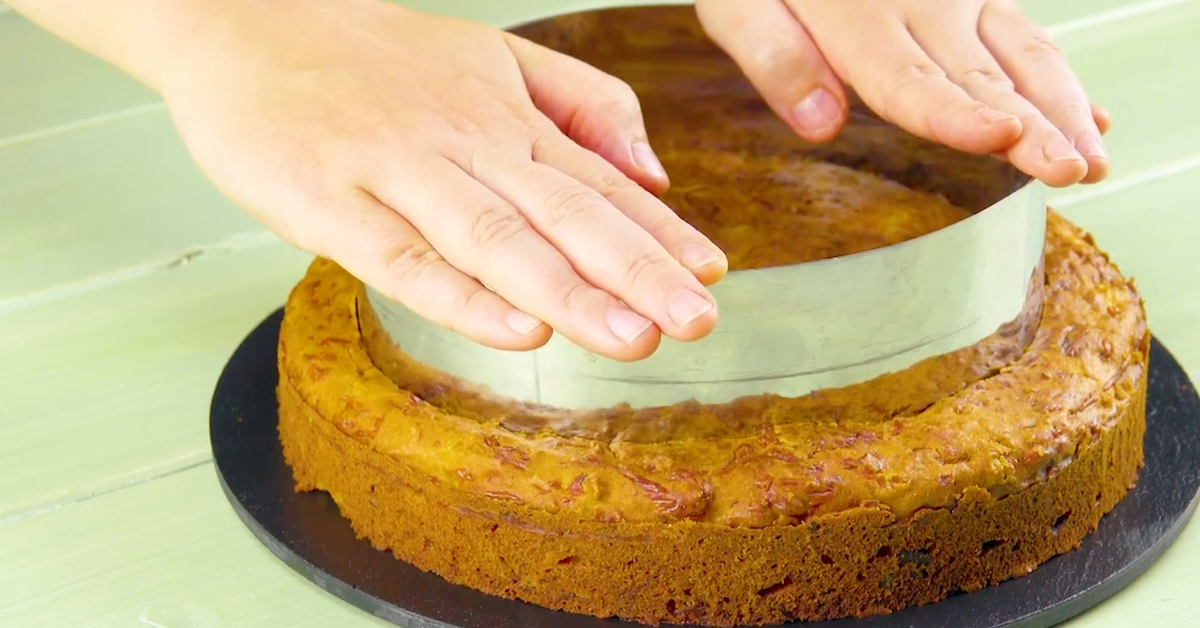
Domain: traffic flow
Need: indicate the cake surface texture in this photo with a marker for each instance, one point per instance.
(958, 473)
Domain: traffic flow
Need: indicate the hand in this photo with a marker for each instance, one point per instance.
(975, 75)
(435, 159)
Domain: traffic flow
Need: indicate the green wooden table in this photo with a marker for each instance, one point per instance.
(126, 281)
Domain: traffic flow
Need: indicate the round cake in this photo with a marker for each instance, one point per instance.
(958, 473)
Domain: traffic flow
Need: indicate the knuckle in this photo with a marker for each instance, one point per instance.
(643, 265)
(667, 225)
(572, 294)
(934, 125)
(567, 203)
(622, 94)
(406, 262)
(1039, 44)
(764, 57)
(1079, 113)
(902, 80)
(986, 77)
(459, 125)
(781, 63)
(607, 181)
(546, 145)
(494, 226)
(480, 300)
(909, 74)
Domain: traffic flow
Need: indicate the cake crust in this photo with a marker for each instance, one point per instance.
(825, 515)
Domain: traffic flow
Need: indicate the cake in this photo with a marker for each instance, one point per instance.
(961, 472)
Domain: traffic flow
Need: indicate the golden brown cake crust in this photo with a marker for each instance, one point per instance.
(798, 519)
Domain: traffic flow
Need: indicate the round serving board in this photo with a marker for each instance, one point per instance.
(309, 535)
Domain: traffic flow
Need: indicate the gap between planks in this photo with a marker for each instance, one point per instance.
(1112, 15)
(68, 127)
(244, 241)
(1131, 180)
(166, 469)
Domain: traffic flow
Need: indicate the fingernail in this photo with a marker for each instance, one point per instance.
(995, 115)
(645, 158)
(817, 112)
(686, 306)
(696, 256)
(1059, 149)
(521, 322)
(626, 324)
(1091, 146)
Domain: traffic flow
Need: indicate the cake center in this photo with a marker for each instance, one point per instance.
(765, 211)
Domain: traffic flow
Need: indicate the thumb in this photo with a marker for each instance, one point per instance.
(597, 110)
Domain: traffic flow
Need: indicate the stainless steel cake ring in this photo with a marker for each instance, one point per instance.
(791, 330)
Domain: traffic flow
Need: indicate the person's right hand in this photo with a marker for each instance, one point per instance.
(490, 185)
(976, 75)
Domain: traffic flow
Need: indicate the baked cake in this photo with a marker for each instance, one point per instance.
(961, 472)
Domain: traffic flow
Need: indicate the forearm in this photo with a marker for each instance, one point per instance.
(149, 39)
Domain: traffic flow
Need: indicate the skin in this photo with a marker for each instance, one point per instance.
(976, 75)
(503, 190)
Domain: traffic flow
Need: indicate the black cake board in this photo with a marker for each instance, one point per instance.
(308, 534)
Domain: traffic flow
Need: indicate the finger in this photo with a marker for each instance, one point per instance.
(1043, 76)
(487, 238)
(607, 248)
(874, 52)
(682, 241)
(597, 110)
(781, 60)
(950, 39)
(1102, 117)
(383, 250)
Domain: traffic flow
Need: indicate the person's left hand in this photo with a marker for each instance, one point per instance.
(975, 75)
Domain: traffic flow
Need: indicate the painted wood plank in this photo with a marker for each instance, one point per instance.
(172, 553)
(102, 198)
(169, 553)
(48, 83)
(112, 387)
(1141, 69)
(1065, 16)
(1150, 231)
